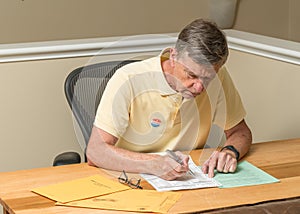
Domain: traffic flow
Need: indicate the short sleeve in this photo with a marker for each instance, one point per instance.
(112, 114)
(229, 108)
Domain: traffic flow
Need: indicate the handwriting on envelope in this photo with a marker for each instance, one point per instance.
(134, 200)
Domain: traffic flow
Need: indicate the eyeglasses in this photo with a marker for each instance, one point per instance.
(132, 182)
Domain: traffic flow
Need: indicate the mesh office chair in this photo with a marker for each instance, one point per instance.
(84, 87)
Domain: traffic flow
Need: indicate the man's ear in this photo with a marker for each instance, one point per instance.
(173, 56)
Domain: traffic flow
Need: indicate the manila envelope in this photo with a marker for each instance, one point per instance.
(80, 189)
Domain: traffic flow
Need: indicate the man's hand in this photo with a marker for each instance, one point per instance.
(224, 161)
(167, 168)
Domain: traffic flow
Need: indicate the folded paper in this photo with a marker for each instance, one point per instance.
(134, 200)
(80, 189)
(246, 175)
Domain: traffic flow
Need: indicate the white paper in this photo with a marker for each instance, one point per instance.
(198, 180)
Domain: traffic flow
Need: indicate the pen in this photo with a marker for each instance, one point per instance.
(177, 159)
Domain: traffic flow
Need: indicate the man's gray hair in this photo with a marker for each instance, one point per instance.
(204, 43)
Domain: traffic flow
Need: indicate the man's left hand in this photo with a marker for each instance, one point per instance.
(224, 161)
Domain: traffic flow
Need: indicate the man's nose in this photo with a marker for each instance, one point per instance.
(198, 86)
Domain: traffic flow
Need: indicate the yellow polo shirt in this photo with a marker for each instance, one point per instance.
(147, 115)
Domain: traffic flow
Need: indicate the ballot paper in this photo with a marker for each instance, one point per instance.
(134, 200)
(198, 180)
(246, 174)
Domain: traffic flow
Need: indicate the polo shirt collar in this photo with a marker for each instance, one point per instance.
(163, 86)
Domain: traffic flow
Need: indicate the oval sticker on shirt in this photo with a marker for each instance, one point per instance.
(155, 122)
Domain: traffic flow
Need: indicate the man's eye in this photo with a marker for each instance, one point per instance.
(193, 76)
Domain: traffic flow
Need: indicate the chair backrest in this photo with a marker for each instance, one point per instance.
(84, 87)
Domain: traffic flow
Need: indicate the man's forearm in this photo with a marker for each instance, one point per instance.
(240, 137)
(110, 157)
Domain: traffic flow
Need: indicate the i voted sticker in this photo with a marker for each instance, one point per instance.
(155, 122)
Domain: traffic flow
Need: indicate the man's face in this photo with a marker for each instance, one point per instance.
(191, 78)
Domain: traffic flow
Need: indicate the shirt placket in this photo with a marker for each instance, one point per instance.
(176, 101)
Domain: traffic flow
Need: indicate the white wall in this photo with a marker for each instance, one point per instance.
(270, 91)
(35, 20)
(35, 120)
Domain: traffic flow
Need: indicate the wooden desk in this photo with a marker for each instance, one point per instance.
(279, 158)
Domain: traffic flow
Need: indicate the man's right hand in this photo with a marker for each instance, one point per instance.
(167, 168)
